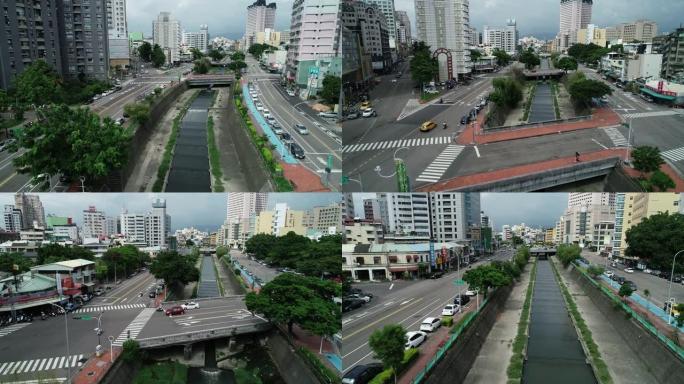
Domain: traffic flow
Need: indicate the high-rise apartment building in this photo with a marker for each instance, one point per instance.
(84, 38)
(580, 221)
(452, 214)
(32, 213)
(408, 213)
(259, 17)
(576, 199)
(504, 38)
(94, 223)
(242, 205)
(133, 227)
(387, 9)
(370, 24)
(403, 25)
(327, 217)
(166, 32)
(641, 30)
(446, 24)
(671, 46)
(280, 221)
(574, 15)
(314, 32)
(117, 26)
(12, 218)
(157, 225)
(198, 40)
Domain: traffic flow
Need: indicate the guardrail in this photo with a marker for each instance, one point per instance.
(191, 337)
(535, 125)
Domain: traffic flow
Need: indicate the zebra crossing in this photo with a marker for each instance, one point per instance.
(36, 365)
(12, 328)
(650, 114)
(102, 308)
(135, 326)
(676, 154)
(436, 169)
(616, 136)
(416, 142)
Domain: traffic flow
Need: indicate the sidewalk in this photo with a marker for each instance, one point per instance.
(603, 117)
(303, 179)
(312, 342)
(495, 354)
(665, 168)
(95, 368)
(521, 170)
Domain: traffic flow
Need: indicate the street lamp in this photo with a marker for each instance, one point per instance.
(66, 330)
(111, 349)
(669, 289)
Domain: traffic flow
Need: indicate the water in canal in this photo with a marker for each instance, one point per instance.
(554, 352)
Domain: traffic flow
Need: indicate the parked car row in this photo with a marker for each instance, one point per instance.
(355, 298)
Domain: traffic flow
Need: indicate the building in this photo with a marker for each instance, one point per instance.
(592, 34)
(30, 33)
(504, 38)
(64, 233)
(386, 7)
(363, 232)
(371, 210)
(157, 225)
(348, 207)
(166, 32)
(370, 23)
(671, 46)
(198, 40)
(80, 271)
(574, 15)
(32, 213)
(549, 235)
(94, 223)
(444, 24)
(280, 221)
(241, 205)
(612, 35)
(408, 213)
(640, 30)
(403, 33)
(117, 24)
(453, 214)
(269, 37)
(314, 34)
(579, 222)
(133, 226)
(260, 16)
(13, 218)
(84, 39)
(576, 199)
(328, 217)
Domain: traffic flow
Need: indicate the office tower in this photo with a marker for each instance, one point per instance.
(32, 214)
(574, 15)
(198, 40)
(641, 30)
(387, 9)
(259, 17)
(445, 24)
(243, 205)
(370, 24)
(13, 218)
(30, 33)
(166, 32)
(133, 227)
(407, 213)
(94, 224)
(326, 217)
(576, 199)
(403, 23)
(84, 39)
(111, 226)
(157, 225)
(313, 32)
(504, 38)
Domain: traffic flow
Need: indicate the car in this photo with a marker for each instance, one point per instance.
(190, 305)
(677, 278)
(630, 284)
(462, 299)
(430, 324)
(608, 273)
(629, 270)
(351, 304)
(436, 274)
(118, 281)
(365, 105)
(297, 151)
(428, 126)
(328, 115)
(464, 120)
(266, 113)
(175, 310)
(362, 374)
(259, 107)
(290, 93)
(647, 270)
(620, 280)
(450, 309)
(414, 339)
(301, 129)
(360, 296)
(286, 138)
(353, 115)
(278, 130)
(470, 293)
(271, 120)
(98, 292)
(370, 112)
(120, 121)
(152, 294)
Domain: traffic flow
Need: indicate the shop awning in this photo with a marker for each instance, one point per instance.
(656, 94)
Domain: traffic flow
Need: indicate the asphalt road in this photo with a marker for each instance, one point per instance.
(263, 272)
(399, 302)
(321, 141)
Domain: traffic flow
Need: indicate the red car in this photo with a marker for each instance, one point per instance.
(175, 310)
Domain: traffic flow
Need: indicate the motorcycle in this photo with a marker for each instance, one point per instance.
(43, 316)
(444, 125)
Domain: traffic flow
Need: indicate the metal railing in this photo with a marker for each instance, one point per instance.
(535, 125)
(191, 337)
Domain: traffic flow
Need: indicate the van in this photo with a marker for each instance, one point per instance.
(297, 151)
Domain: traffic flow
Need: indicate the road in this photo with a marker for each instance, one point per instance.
(263, 272)
(399, 302)
(109, 106)
(372, 144)
(320, 143)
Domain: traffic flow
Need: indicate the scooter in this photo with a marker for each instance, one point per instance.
(43, 316)
(444, 125)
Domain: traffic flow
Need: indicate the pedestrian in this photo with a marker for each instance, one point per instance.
(577, 159)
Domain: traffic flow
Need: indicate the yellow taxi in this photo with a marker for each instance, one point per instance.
(365, 105)
(427, 126)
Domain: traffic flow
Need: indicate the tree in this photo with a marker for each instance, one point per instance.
(216, 54)
(567, 64)
(567, 253)
(201, 66)
(145, 52)
(38, 84)
(625, 291)
(486, 276)
(517, 240)
(174, 268)
(529, 58)
(502, 58)
(237, 56)
(292, 299)
(583, 91)
(52, 253)
(388, 346)
(257, 50)
(647, 159)
(138, 112)
(587, 53)
(507, 92)
(9, 260)
(662, 181)
(424, 68)
(475, 55)
(331, 89)
(221, 251)
(124, 259)
(595, 270)
(196, 54)
(157, 57)
(656, 239)
(131, 351)
(237, 66)
(73, 142)
(260, 244)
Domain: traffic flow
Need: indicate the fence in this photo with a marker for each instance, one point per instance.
(246, 277)
(535, 125)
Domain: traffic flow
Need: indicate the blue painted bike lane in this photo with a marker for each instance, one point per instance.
(272, 137)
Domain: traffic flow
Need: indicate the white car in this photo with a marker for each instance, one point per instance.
(370, 112)
(267, 113)
(430, 324)
(629, 270)
(450, 310)
(415, 339)
(190, 305)
(470, 293)
(359, 296)
(647, 270)
(608, 273)
(259, 107)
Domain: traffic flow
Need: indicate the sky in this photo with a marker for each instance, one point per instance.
(224, 17)
(542, 18)
(205, 211)
(534, 209)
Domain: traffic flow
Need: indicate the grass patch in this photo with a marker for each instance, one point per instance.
(554, 90)
(244, 376)
(528, 103)
(596, 360)
(323, 373)
(515, 365)
(387, 375)
(425, 97)
(166, 372)
(171, 144)
(214, 157)
(218, 279)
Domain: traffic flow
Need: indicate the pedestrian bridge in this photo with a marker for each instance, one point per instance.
(210, 80)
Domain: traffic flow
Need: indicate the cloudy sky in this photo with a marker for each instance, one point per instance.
(540, 18)
(533, 209)
(206, 211)
(224, 17)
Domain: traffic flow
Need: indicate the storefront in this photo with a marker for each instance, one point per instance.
(663, 92)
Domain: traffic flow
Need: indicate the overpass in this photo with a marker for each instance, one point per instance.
(213, 80)
(542, 253)
(544, 74)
